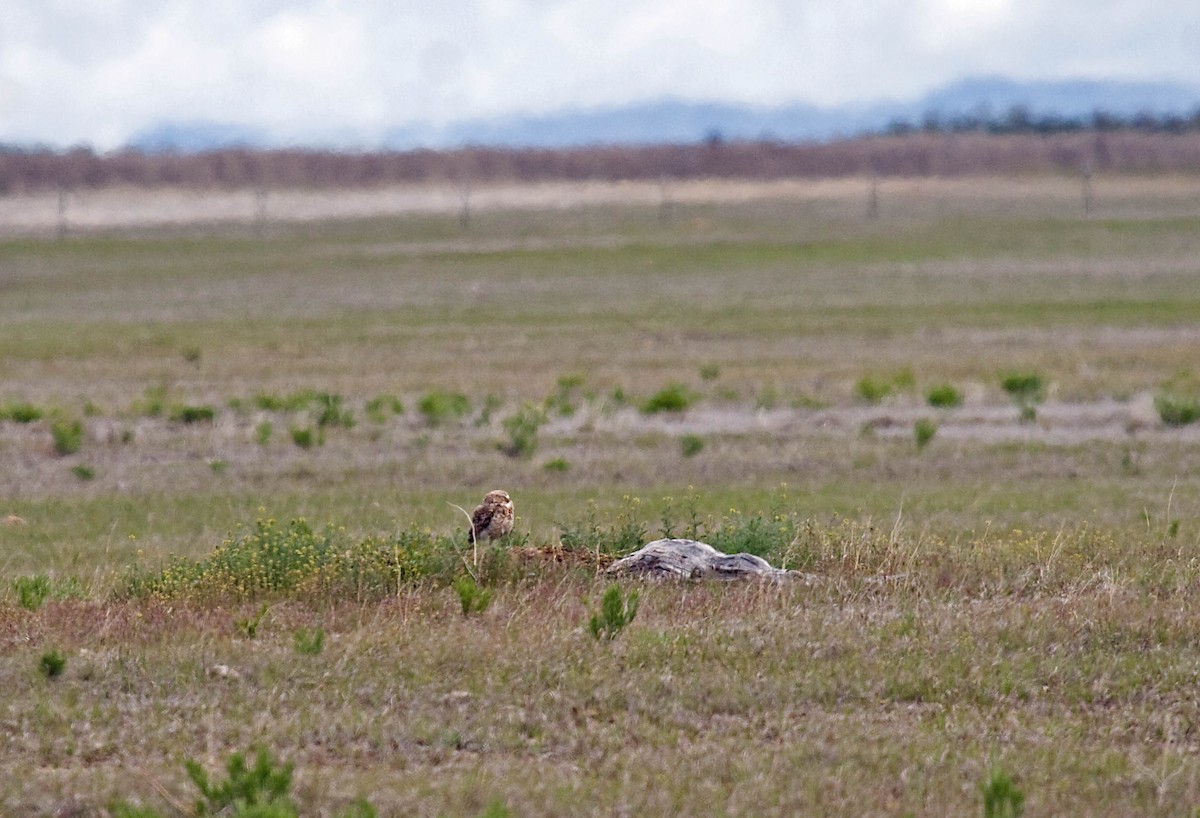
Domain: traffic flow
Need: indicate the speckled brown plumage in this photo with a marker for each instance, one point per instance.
(493, 518)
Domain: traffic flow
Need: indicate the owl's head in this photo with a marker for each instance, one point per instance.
(497, 498)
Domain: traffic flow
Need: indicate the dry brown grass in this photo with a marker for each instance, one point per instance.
(847, 697)
(1039, 616)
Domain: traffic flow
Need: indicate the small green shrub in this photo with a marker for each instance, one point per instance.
(52, 664)
(472, 598)
(193, 414)
(309, 642)
(691, 445)
(304, 436)
(83, 472)
(1001, 796)
(32, 592)
(562, 400)
(330, 411)
(381, 407)
(439, 407)
(872, 390)
(295, 402)
(67, 435)
(271, 560)
(262, 432)
(218, 466)
(265, 786)
(21, 413)
(1026, 390)
(558, 465)
(1177, 410)
(923, 431)
(709, 372)
(674, 397)
(261, 791)
(904, 380)
(153, 401)
(944, 396)
(490, 404)
(522, 428)
(191, 355)
(616, 612)
(627, 534)
(248, 626)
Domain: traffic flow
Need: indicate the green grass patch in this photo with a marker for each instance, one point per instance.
(944, 396)
(193, 414)
(674, 397)
(275, 560)
(67, 435)
(439, 407)
(1177, 410)
(21, 412)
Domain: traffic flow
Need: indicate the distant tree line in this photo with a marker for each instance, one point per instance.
(950, 150)
(1019, 119)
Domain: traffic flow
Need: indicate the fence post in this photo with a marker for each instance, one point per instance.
(1087, 188)
(260, 211)
(62, 213)
(873, 197)
(464, 210)
(664, 199)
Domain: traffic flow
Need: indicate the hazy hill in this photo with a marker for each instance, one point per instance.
(679, 121)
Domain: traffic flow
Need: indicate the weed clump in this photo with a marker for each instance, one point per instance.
(522, 428)
(944, 396)
(562, 400)
(617, 610)
(440, 407)
(262, 432)
(276, 560)
(674, 397)
(558, 465)
(379, 408)
(471, 597)
(193, 414)
(304, 437)
(52, 664)
(67, 436)
(1026, 390)
(263, 790)
(872, 390)
(923, 431)
(1177, 410)
(32, 592)
(153, 401)
(21, 413)
(627, 534)
(309, 642)
(691, 445)
(1001, 796)
(330, 411)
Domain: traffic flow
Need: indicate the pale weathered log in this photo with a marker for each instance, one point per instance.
(690, 559)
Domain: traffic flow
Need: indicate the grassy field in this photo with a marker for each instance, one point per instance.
(1002, 586)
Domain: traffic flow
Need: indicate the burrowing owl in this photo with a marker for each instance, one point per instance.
(493, 518)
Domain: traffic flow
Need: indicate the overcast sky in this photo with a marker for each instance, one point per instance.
(97, 71)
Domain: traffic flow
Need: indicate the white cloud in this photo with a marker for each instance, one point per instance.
(73, 70)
